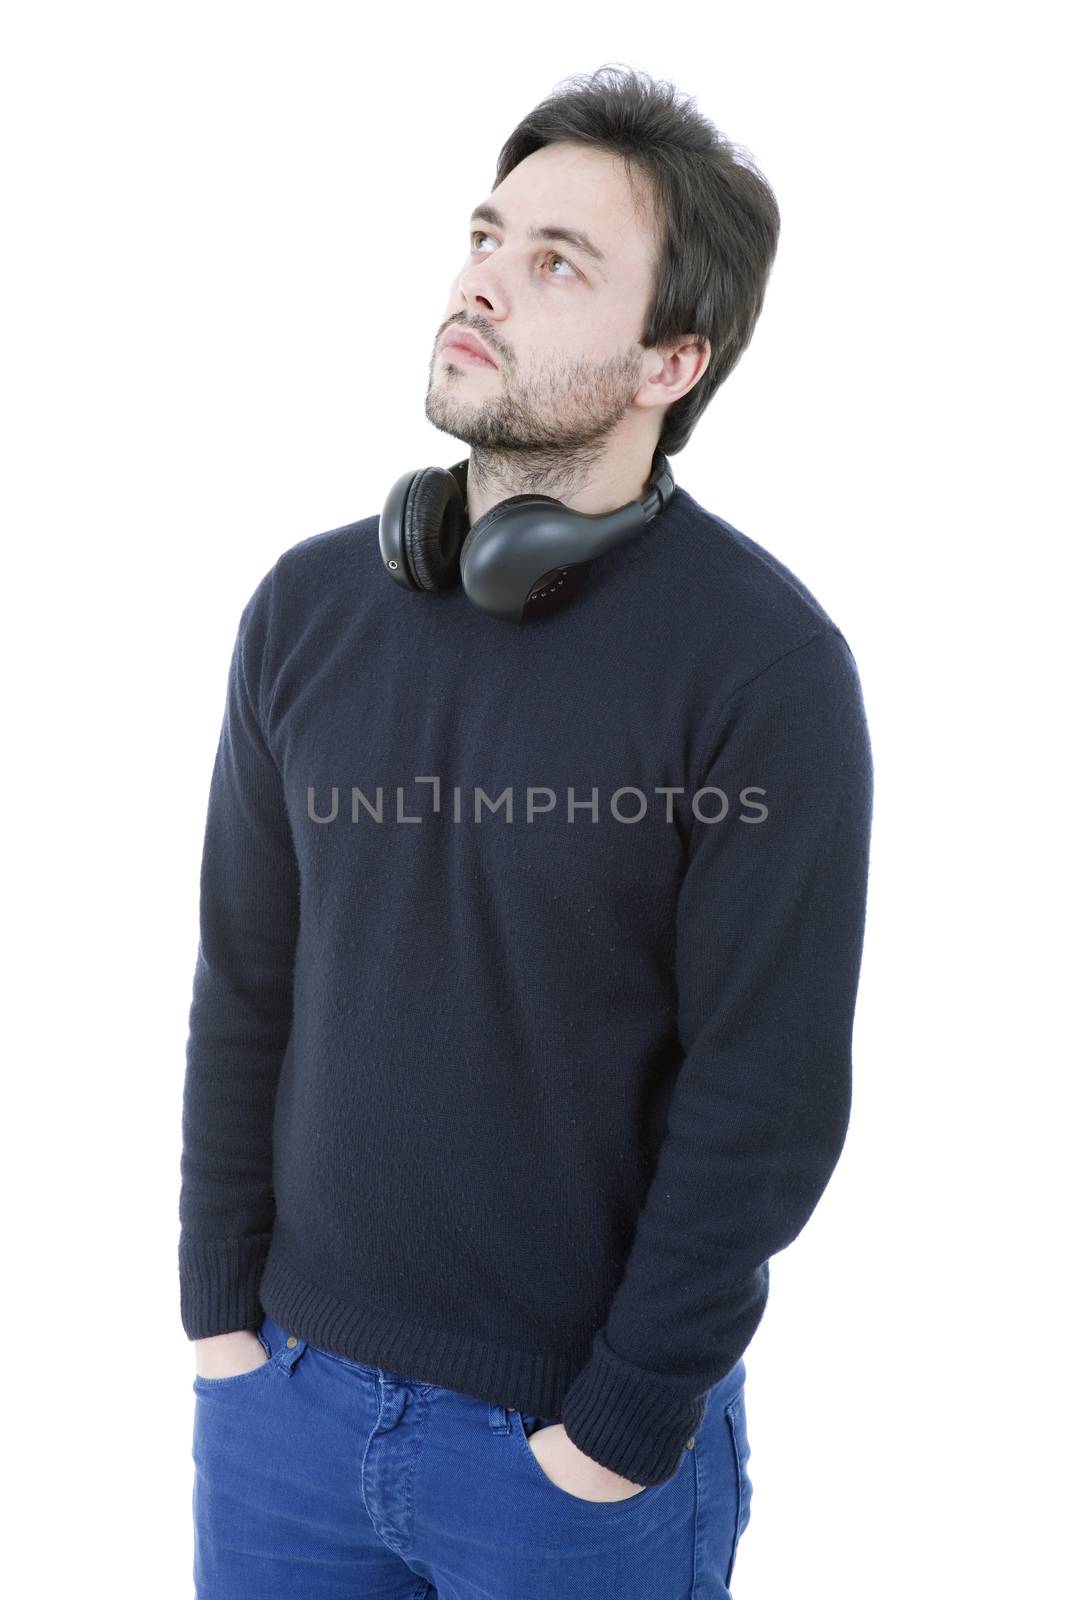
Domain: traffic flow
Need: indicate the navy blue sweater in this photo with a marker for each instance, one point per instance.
(521, 1027)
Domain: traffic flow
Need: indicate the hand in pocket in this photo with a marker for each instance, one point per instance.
(571, 1469)
(230, 1355)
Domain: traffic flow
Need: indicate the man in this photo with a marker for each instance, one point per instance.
(493, 1121)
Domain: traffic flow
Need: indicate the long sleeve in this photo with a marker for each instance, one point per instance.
(769, 933)
(241, 1010)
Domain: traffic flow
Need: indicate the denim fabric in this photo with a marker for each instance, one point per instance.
(317, 1476)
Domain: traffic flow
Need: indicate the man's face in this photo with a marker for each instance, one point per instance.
(562, 326)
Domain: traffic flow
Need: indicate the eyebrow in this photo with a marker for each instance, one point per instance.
(551, 231)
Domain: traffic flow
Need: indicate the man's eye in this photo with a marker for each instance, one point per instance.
(552, 256)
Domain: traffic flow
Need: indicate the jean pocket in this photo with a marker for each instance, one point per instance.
(525, 1425)
(738, 1424)
(204, 1385)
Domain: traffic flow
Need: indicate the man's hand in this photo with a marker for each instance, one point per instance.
(571, 1469)
(227, 1355)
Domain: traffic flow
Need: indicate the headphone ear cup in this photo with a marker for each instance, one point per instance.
(490, 518)
(435, 524)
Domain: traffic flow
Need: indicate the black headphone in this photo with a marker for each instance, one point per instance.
(523, 558)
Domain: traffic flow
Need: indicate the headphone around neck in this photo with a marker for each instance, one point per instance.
(523, 558)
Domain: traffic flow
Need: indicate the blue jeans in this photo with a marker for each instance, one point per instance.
(317, 1477)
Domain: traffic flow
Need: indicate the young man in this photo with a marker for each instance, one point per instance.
(494, 1115)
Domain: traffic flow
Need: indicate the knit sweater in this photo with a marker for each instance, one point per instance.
(521, 1026)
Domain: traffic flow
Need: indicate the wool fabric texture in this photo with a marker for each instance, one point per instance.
(521, 1025)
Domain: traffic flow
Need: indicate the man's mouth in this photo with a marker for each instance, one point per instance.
(466, 348)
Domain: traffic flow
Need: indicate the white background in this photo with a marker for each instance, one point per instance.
(231, 231)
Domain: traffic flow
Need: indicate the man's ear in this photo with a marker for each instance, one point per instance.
(685, 361)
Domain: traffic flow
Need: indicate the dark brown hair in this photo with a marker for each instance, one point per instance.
(715, 218)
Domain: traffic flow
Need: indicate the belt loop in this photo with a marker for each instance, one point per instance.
(500, 1417)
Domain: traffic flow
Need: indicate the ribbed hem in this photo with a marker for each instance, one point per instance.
(219, 1283)
(529, 1380)
(632, 1422)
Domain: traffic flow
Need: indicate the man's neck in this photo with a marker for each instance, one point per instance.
(584, 480)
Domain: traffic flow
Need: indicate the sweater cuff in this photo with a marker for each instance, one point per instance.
(635, 1423)
(219, 1284)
